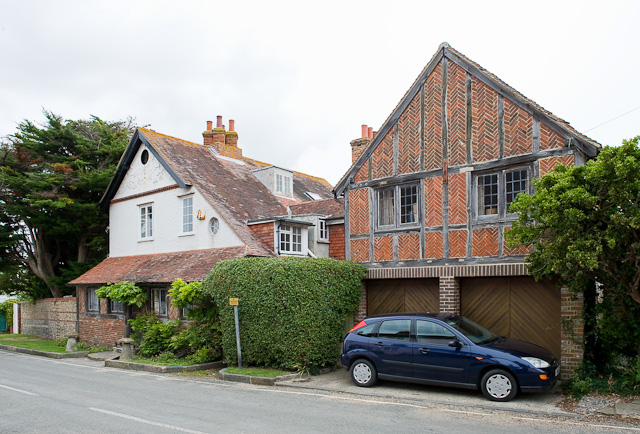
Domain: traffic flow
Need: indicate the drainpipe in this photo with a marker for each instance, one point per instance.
(278, 237)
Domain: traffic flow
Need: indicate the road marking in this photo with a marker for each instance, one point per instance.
(18, 390)
(148, 422)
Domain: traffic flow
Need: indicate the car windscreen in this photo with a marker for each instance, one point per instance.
(475, 332)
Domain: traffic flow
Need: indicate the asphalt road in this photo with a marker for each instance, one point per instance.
(39, 395)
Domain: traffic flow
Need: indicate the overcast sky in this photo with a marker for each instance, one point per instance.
(299, 78)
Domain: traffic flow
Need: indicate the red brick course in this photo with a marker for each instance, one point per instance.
(433, 120)
(265, 232)
(336, 242)
(408, 246)
(485, 242)
(458, 199)
(457, 114)
(383, 249)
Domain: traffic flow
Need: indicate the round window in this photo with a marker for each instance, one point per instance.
(144, 157)
(214, 225)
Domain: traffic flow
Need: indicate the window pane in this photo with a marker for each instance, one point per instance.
(92, 301)
(187, 214)
(149, 222)
(279, 183)
(395, 329)
(409, 204)
(516, 182)
(287, 185)
(285, 238)
(324, 231)
(385, 207)
(296, 239)
(488, 194)
(116, 306)
(433, 333)
(159, 301)
(143, 222)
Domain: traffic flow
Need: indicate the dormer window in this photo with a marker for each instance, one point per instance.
(283, 184)
(323, 231)
(291, 241)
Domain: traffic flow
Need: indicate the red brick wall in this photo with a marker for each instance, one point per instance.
(458, 199)
(458, 243)
(485, 122)
(360, 250)
(383, 249)
(572, 333)
(518, 130)
(408, 246)
(549, 139)
(433, 245)
(547, 164)
(383, 157)
(265, 233)
(433, 120)
(409, 138)
(433, 201)
(359, 211)
(485, 242)
(336, 242)
(449, 294)
(457, 114)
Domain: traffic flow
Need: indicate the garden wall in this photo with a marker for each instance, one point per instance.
(50, 318)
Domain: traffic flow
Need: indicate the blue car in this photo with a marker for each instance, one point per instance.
(445, 349)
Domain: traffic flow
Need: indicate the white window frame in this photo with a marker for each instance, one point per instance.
(502, 206)
(323, 231)
(146, 221)
(391, 199)
(187, 214)
(291, 240)
(283, 183)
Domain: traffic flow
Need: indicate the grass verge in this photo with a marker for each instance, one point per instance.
(31, 342)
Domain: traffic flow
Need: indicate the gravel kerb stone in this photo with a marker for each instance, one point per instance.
(161, 369)
(262, 381)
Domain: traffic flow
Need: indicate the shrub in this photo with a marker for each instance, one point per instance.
(292, 310)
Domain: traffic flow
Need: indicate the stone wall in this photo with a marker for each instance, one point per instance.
(50, 318)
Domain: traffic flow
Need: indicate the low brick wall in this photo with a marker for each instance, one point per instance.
(50, 318)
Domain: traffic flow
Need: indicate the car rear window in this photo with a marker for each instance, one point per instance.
(399, 329)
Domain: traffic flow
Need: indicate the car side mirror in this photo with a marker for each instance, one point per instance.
(455, 343)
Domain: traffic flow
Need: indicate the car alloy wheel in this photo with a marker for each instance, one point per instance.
(499, 385)
(363, 373)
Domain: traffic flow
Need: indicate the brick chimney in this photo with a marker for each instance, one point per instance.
(225, 142)
(359, 145)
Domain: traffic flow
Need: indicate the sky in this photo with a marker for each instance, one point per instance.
(300, 78)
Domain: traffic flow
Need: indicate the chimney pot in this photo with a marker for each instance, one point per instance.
(209, 125)
(364, 131)
(219, 123)
(370, 133)
(232, 125)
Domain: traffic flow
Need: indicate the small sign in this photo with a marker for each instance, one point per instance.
(233, 302)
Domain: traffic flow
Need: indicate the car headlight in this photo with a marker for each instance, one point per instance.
(536, 362)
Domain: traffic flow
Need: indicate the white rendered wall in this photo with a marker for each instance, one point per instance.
(124, 216)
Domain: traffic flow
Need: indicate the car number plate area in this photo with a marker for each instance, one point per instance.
(557, 371)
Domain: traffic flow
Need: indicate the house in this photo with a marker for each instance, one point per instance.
(427, 203)
(177, 208)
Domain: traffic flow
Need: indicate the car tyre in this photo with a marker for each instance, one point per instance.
(363, 373)
(499, 385)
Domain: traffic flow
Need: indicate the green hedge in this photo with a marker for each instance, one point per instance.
(292, 310)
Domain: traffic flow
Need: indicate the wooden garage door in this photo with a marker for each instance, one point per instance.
(402, 295)
(516, 307)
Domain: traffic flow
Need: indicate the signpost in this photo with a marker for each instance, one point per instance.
(234, 302)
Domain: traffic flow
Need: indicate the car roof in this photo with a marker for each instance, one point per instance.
(437, 315)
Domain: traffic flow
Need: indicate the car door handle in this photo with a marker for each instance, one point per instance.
(379, 344)
(423, 350)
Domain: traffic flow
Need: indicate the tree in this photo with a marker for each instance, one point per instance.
(584, 225)
(51, 179)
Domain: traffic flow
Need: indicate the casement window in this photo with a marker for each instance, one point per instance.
(146, 222)
(323, 231)
(159, 301)
(187, 214)
(93, 303)
(397, 206)
(290, 239)
(283, 184)
(496, 191)
(115, 306)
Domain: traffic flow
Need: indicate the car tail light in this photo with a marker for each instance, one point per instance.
(357, 326)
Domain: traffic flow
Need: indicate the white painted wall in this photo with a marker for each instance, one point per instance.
(124, 217)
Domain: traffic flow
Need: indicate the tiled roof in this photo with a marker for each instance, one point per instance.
(159, 268)
(230, 187)
(328, 207)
